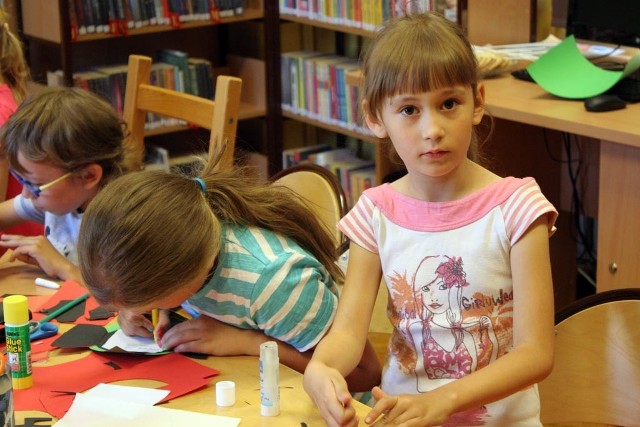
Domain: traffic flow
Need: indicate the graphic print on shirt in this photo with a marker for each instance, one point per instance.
(450, 334)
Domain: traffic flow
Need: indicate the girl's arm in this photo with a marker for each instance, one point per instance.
(8, 215)
(207, 335)
(529, 362)
(38, 251)
(339, 351)
(342, 346)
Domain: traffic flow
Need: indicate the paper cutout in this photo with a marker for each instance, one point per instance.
(54, 386)
(131, 344)
(114, 412)
(82, 336)
(564, 71)
(70, 315)
(71, 290)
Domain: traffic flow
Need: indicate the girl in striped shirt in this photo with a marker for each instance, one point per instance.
(463, 252)
(248, 260)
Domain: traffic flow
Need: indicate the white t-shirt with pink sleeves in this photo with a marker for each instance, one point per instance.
(447, 268)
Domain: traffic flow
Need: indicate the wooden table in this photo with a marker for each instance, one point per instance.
(615, 135)
(295, 405)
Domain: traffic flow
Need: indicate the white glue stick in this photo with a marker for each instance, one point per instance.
(47, 283)
(269, 379)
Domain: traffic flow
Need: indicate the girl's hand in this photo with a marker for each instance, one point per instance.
(38, 251)
(408, 410)
(328, 390)
(134, 324)
(206, 335)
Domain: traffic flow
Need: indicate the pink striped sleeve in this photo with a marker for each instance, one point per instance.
(525, 205)
(357, 226)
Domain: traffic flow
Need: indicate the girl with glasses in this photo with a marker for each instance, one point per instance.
(62, 146)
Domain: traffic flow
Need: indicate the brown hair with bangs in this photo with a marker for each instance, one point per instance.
(417, 53)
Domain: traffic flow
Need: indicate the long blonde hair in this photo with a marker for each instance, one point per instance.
(148, 231)
(13, 65)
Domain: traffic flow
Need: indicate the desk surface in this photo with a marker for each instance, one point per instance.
(295, 405)
(519, 101)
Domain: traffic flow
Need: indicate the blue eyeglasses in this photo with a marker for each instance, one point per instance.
(37, 189)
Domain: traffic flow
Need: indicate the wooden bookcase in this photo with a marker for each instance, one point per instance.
(473, 15)
(46, 31)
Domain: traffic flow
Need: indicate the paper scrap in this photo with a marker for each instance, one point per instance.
(140, 395)
(105, 412)
(564, 71)
(132, 344)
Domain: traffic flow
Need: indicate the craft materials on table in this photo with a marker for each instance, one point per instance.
(269, 379)
(16, 326)
(49, 284)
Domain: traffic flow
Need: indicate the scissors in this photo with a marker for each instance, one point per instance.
(44, 328)
(39, 330)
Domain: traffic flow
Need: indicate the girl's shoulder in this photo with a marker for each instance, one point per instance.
(424, 215)
(497, 191)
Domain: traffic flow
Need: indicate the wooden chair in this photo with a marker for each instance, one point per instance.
(321, 189)
(596, 375)
(220, 115)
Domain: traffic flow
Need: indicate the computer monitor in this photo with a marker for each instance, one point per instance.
(607, 21)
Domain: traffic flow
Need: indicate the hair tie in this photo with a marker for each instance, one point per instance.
(200, 182)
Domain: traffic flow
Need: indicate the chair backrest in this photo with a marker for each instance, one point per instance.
(596, 374)
(220, 115)
(321, 189)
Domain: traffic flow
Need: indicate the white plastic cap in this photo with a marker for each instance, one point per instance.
(225, 393)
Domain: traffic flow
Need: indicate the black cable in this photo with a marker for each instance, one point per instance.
(574, 167)
(577, 207)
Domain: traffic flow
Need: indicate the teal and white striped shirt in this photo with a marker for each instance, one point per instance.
(267, 282)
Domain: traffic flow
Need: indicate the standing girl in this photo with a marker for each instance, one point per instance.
(63, 145)
(14, 75)
(464, 253)
(248, 260)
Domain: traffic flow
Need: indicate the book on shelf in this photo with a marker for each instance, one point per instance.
(359, 181)
(201, 77)
(344, 168)
(120, 16)
(116, 83)
(315, 85)
(179, 59)
(326, 157)
(295, 156)
(292, 64)
(353, 173)
(365, 14)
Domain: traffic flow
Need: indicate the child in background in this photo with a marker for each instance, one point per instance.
(63, 145)
(14, 75)
(464, 253)
(250, 259)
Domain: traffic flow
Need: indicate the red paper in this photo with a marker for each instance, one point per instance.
(54, 386)
(71, 290)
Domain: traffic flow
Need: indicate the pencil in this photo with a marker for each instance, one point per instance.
(68, 306)
(154, 321)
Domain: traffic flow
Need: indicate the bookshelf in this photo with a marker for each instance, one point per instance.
(53, 44)
(356, 27)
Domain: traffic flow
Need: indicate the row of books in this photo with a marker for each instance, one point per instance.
(365, 14)
(172, 69)
(314, 85)
(354, 174)
(120, 16)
